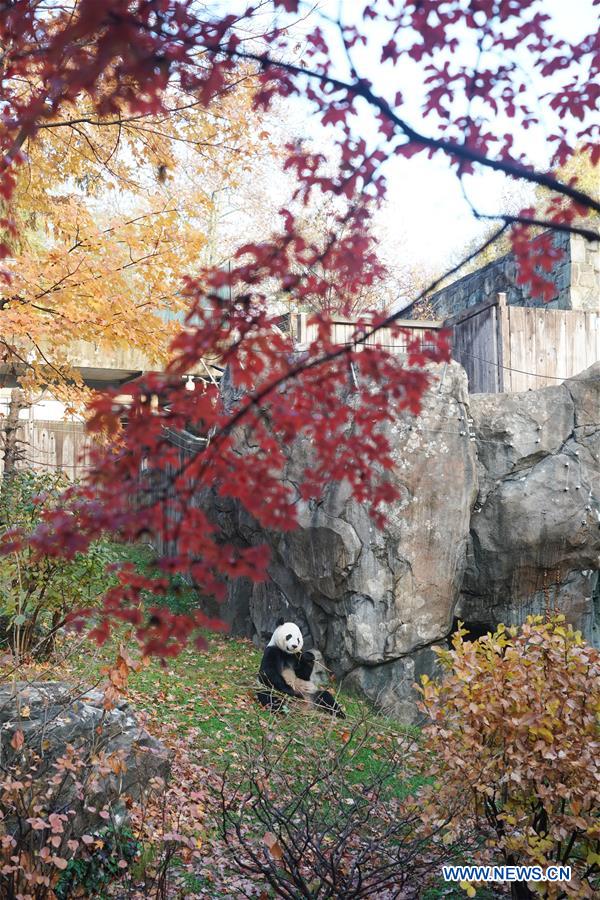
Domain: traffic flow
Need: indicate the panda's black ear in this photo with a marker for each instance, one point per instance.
(279, 622)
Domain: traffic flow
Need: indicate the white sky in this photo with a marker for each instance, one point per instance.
(426, 214)
(444, 223)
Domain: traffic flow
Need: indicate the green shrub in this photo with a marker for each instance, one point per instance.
(97, 868)
(38, 592)
(180, 597)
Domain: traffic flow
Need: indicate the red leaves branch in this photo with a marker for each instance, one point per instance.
(123, 55)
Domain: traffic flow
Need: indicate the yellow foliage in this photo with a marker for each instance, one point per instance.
(110, 214)
(514, 744)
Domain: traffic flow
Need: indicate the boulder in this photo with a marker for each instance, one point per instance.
(120, 758)
(535, 529)
(498, 518)
(391, 685)
(371, 600)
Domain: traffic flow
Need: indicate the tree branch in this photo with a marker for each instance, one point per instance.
(460, 151)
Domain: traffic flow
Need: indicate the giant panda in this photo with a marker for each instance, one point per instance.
(286, 670)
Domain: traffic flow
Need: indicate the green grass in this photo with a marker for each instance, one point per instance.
(209, 696)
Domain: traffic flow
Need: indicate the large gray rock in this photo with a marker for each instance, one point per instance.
(371, 600)
(535, 533)
(53, 720)
(498, 518)
(391, 685)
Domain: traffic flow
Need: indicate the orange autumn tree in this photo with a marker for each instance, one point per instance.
(110, 211)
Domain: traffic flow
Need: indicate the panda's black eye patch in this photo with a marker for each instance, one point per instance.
(288, 637)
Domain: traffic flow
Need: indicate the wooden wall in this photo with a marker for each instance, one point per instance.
(501, 347)
(476, 347)
(48, 446)
(547, 346)
(516, 348)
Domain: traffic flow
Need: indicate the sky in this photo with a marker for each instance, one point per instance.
(444, 224)
(426, 218)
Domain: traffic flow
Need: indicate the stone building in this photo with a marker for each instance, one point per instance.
(576, 275)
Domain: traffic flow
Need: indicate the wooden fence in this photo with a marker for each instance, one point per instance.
(502, 348)
(344, 330)
(516, 348)
(48, 446)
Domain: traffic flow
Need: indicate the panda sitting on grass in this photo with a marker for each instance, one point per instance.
(286, 671)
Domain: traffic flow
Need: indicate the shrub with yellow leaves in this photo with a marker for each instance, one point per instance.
(514, 732)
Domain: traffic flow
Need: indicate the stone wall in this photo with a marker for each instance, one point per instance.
(499, 516)
(576, 275)
(585, 274)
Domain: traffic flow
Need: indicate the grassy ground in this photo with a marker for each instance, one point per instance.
(207, 698)
(211, 694)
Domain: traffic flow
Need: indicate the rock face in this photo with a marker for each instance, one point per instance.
(52, 720)
(498, 518)
(374, 602)
(535, 529)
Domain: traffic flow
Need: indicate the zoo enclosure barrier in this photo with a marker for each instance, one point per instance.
(516, 348)
(344, 330)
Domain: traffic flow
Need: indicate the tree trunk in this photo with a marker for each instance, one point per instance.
(10, 443)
